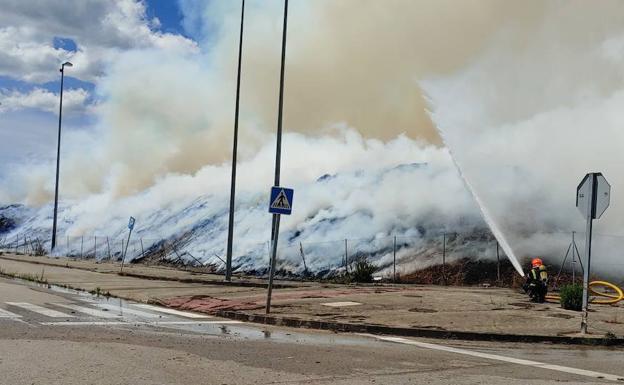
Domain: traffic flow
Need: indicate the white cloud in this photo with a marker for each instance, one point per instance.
(74, 100)
(102, 29)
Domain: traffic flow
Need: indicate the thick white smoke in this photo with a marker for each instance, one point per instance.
(527, 95)
(350, 61)
(361, 189)
(529, 117)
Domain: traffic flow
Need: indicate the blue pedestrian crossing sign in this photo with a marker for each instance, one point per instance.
(281, 200)
(131, 223)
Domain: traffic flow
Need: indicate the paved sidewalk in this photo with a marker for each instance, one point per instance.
(465, 309)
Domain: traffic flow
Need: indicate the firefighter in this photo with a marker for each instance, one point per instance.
(536, 285)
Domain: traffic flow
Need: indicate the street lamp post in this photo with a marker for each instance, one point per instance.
(228, 267)
(58, 155)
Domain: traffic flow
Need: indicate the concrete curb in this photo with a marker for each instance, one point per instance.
(415, 332)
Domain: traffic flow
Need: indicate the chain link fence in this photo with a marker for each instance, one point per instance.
(446, 257)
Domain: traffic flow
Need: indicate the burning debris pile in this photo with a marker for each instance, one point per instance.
(467, 271)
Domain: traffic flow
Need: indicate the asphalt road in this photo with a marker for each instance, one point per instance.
(53, 336)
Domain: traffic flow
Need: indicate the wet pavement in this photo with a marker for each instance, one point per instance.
(99, 340)
(470, 309)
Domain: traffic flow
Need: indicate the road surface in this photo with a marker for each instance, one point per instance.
(55, 336)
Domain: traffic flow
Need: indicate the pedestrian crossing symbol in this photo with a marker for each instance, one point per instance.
(281, 200)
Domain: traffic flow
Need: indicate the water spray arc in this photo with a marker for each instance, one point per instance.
(489, 220)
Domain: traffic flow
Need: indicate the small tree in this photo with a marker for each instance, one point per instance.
(363, 271)
(571, 296)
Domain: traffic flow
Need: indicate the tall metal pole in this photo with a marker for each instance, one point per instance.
(58, 160)
(278, 160)
(228, 263)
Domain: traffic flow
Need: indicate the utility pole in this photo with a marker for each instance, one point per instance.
(228, 263)
(58, 156)
(278, 160)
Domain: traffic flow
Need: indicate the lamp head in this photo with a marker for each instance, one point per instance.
(66, 64)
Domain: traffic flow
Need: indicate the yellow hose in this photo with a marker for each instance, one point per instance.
(612, 298)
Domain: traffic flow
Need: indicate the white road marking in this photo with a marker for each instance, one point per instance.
(195, 322)
(171, 311)
(8, 314)
(126, 310)
(341, 304)
(87, 310)
(40, 309)
(536, 364)
(154, 323)
(85, 323)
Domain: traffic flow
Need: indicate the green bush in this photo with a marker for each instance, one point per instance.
(363, 271)
(571, 296)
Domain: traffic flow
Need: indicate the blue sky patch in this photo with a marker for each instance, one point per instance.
(65, 44)
(169, 14)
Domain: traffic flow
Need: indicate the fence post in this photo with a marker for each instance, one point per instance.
(95, 247)
(68, 251)
(142, 250)
(16, 242)
(346, 258)
(108, 248)
(573, 260)
(498, 278)
(81, 246)
(394, 260)
(25, 245)
(122, 249)
(444, 258)
(305, 267)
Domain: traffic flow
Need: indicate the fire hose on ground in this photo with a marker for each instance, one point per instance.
(608, 298)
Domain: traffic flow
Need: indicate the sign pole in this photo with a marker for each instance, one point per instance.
(273, 262)
(591, 207)
(278, 160)
(592, 199)
(588, 240)
(130, 228)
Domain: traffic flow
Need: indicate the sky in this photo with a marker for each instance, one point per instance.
(36, 37)
(149, 101)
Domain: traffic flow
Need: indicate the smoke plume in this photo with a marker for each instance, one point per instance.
(527, 95)
(532, 115)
